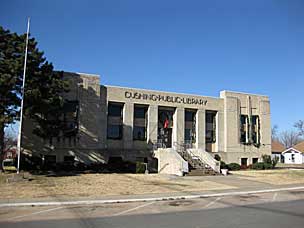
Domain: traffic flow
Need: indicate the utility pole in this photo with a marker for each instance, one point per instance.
(22, 98)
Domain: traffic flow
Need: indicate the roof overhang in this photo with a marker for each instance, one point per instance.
(291, 148)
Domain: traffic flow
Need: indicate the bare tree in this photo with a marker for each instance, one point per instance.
(299, 125)
(274, 132)
(10, 138)
(9, 142)
(289, 138)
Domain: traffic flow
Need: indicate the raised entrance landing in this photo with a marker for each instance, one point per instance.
(180, 160)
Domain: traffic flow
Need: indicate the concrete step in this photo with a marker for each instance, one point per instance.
(202, 172)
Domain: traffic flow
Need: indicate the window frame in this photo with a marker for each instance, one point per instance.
(144, 117)
(212, 138)
(110, 115)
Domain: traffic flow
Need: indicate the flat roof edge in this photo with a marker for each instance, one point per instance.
(244, 93)
(153, 90)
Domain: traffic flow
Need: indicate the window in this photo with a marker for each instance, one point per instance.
(115, 110)
(140, 112)
(66, 126)
(188, 135)
(114, 131)
(255, 129)
(255, 160)
(211, 126)
(190, 127)
(244, 161)
(140, 123)
(243, 129)
(115, 123)
(139, 133)
(250, 129)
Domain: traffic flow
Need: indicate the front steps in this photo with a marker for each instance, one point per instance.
(200, 162)
(202, 172)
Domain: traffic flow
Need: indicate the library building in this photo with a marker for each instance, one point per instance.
(172, 133)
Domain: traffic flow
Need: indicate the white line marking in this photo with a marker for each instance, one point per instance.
(212, 202)
(36, 213)
(274, 196)
(133, 209)
(90, 202)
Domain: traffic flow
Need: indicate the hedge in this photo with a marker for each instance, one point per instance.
(234, 166)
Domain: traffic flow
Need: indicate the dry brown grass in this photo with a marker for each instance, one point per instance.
(97, 185)
(275, 177)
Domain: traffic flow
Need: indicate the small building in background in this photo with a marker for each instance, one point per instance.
(295, 154)
(276, 151)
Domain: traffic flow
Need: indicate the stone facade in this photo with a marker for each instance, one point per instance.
(93, 144)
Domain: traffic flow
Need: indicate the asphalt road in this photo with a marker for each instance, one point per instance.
(285, 209)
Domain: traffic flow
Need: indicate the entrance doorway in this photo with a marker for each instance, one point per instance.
(165, 126)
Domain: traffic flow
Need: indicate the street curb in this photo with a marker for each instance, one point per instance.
(166, 198)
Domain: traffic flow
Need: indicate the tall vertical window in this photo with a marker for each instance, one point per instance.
(190, 127)
(211, 126)
(140, 123)
(255, 129)
(115, 121)
(70, 120)
(244, 129)
(250, 129)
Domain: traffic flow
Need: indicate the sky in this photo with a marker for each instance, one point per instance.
(196, 47)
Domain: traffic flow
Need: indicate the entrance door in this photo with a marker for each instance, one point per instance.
(165, 125)
(165, 137)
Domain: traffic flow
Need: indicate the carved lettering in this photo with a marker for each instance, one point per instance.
(171, 99)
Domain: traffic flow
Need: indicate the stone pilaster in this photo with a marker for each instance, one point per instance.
(219, 145)
(200, 129)
(128, 113)
(265, 125)
(152, 124)
(178, 125)
(231, 116)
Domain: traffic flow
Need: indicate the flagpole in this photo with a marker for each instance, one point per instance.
(22, 98)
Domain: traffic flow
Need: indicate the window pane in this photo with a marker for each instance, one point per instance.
(115, 109)
(139, 133)
(139, 128)
(114, 132)
(243, 129)
(189, 116)
(140, 112)
(187, 134)
(210, 126)
(255, 129)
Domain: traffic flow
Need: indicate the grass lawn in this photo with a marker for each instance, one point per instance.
(97, 185)
(275, 177)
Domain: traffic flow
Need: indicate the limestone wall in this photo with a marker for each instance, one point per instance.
(92, 144)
